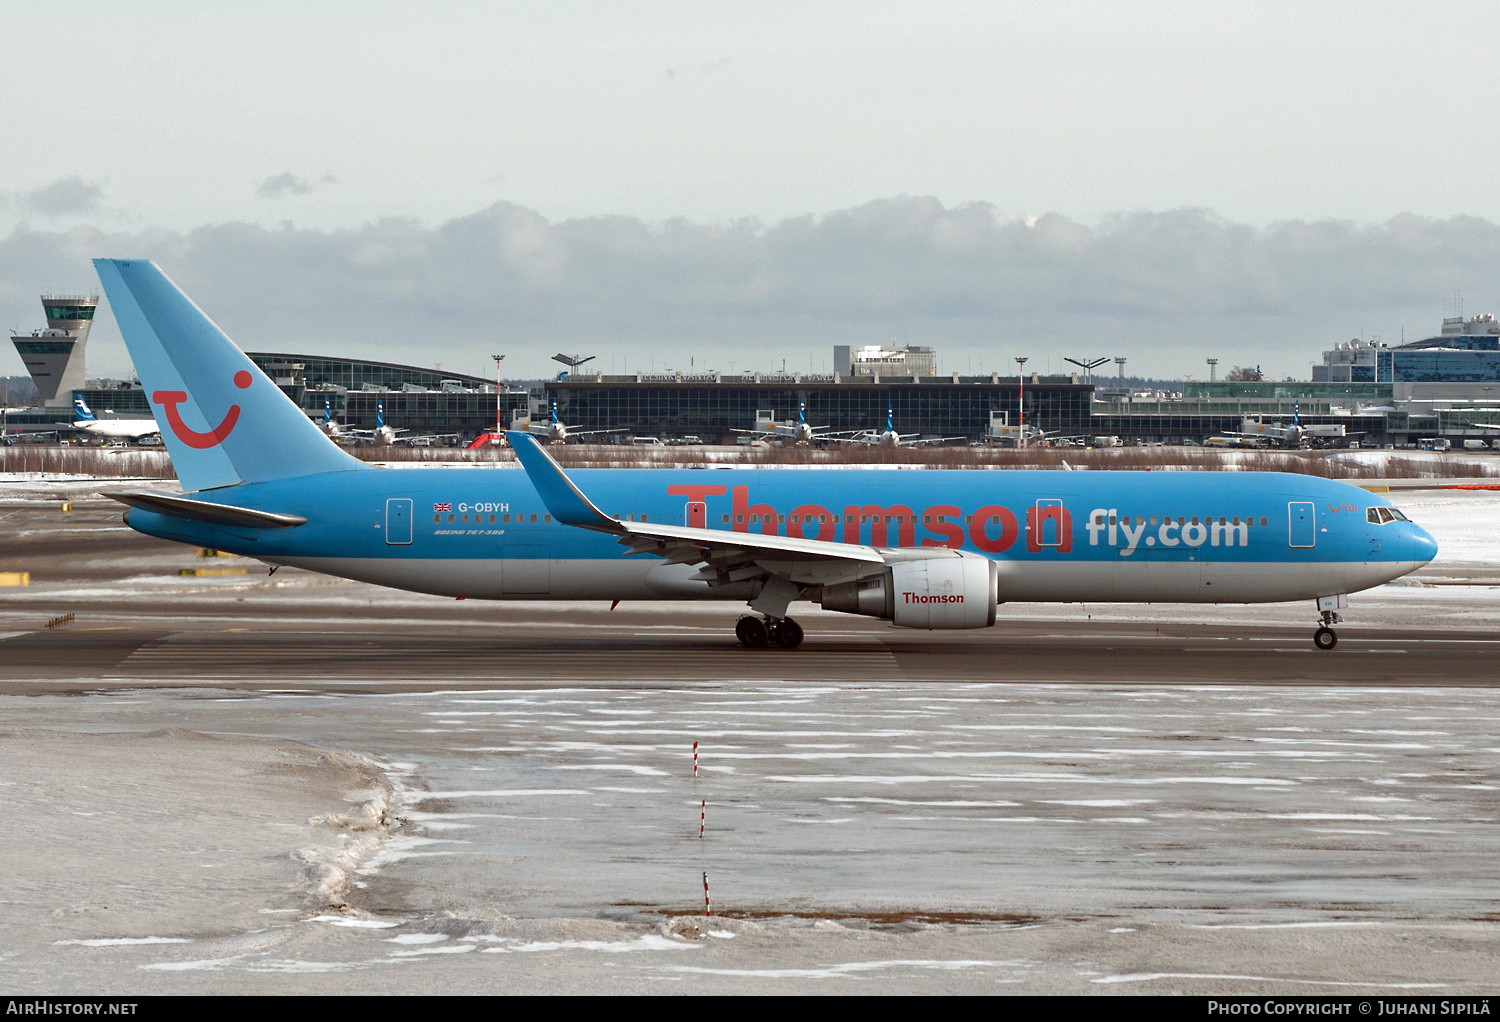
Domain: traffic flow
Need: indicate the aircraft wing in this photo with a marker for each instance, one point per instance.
(1483, 425)
(727, 556)
(931, 440)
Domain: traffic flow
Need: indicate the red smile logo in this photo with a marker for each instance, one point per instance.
(170, 399)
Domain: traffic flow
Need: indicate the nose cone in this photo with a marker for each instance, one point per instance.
(1417, 544)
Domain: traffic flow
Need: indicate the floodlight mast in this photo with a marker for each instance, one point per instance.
(1021, 401)
(572, 361)
(499, 428)
(1088, 367)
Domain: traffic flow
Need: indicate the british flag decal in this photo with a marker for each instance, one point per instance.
(441, 507)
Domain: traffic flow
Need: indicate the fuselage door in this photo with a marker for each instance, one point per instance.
(1049, 522)
(1302, 524)
(696, 514)
(398, 521)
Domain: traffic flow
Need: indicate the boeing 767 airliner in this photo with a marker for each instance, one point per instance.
(931, 549)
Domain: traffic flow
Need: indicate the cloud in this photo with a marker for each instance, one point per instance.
(282, 185)
(63, 196)
(1163, 289)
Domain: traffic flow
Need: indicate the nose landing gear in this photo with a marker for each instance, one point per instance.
(757, 633)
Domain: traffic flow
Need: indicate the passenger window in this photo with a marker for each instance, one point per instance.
(492, 519)
(1236, 519)
(437, 518)
(1262, 521)
(1183, 521)
(546, 518)
(1195, 519)
(822, 519)
(533, 518)
(464, 518)
(1112, 519)
(739, 518)
(1153, 519)
(726, 519)
(549, 518)
(505, 519)
(450, 518)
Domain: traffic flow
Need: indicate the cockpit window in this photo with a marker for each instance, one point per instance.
(1373, 516)
(1384, 516)
(1396, 515)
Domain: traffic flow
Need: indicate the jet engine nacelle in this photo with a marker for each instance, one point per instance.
(952, 590)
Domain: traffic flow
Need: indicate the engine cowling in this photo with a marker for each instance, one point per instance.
(951, 590)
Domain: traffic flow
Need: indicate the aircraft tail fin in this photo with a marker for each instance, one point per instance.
(81, 407)
(222, 419)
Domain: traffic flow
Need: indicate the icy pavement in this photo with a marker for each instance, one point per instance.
(848, 825)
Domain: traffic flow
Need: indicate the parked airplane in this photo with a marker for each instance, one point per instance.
(1295, 435)
(930, 550)
(331, 426)
(801, 433)
(117, 429)
(889, 437)
(557, 433)
(382, 435)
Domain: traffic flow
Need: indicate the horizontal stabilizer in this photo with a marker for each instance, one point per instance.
(205, 511)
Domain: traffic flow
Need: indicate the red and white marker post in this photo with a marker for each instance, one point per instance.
(695, 759)
(702, 817)
(708, 909)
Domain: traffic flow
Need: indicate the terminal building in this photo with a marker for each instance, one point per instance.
(875, 360)
(1437, 387)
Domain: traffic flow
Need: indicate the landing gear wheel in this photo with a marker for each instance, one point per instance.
(788, 634)
(1325, 638)
(752, 632)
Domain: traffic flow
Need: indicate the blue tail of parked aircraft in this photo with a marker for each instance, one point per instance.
(82, 408)
(223, 420)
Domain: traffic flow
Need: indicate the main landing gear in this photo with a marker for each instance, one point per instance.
(757, 632)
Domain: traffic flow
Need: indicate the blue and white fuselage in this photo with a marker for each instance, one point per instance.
(925, 549)
(1082, 536)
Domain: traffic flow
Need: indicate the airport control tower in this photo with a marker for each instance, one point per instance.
(54, 356)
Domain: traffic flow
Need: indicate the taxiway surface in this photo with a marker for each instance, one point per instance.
(1081, 799)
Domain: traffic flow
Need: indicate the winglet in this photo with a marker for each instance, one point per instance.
(565, 500)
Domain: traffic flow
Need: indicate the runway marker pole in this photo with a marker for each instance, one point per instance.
(708, 909)
(702, 817)
(695, 759)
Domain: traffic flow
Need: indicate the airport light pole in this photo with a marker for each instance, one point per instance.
(1212, 367)
(498, 428)
(1021, 401)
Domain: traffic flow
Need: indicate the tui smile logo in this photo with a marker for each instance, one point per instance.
(170, 399)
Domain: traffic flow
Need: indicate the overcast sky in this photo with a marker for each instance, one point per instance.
(748, 183)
